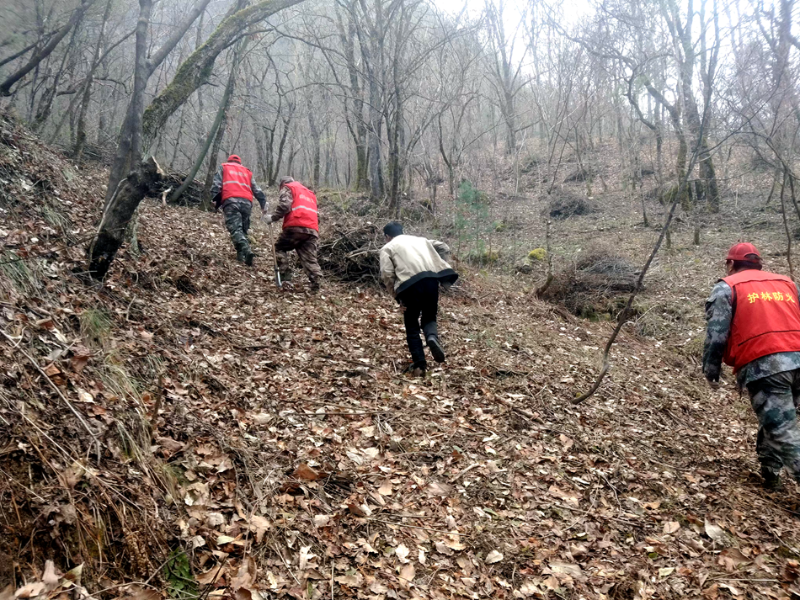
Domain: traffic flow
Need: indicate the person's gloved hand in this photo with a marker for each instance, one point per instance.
(712, 376)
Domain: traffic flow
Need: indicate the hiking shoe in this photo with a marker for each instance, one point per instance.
(416, 369)
(436, 348)
(248, 259)
(772, 480)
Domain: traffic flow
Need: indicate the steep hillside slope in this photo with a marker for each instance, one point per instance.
(191, 430)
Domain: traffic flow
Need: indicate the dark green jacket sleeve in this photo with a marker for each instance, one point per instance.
(719, 315)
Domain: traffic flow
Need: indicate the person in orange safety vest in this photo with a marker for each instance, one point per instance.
(233, 190)
(297, 206)
(753, 325)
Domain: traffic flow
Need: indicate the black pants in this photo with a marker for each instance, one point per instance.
(422, 302)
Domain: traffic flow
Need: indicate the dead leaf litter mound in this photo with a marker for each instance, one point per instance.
(597, 284)
(568, 204)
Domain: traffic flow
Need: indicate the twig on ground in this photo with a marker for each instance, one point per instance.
(623, 317)
(464, 472)
(596, 514)
(285, 564)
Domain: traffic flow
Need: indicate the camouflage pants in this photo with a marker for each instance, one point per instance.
(306, 245)
(775, 399)
(237, 221)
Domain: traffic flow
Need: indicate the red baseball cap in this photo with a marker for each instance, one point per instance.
(234, 158)
(743, 251)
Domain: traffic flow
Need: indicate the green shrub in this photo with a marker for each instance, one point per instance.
(484, 257)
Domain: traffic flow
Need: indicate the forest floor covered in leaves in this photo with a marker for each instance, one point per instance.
(188, 430)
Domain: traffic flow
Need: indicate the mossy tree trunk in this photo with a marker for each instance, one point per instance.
(219, 128)
(117, 215)
(192, 73)
(127, 155)
(196, 69)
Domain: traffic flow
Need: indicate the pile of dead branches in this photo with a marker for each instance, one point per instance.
(567, 204)
(192, 195)
(597, 285)
(350, 253)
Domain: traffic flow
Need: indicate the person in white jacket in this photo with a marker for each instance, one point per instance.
(412, 268)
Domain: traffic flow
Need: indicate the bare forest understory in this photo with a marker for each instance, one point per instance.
(188, 430)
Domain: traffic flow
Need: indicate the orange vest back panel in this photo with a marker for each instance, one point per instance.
(236, 182)
(766, 318)
(304, 208)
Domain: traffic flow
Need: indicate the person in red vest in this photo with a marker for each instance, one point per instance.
(753, 325)
(297, 206)
(233, 190)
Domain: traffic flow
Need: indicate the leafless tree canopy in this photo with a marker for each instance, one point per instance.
(403, 99)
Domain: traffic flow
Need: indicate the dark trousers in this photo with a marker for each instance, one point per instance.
(306, 245)
(237, 220)
(422, 302)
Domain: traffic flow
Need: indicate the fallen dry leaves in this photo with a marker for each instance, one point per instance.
(271, 438)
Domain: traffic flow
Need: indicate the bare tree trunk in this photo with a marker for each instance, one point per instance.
(708, 68)
(315, 147)
(374, 143)
(46, 100)
(395, 160)
(786, 227)
(80, 136)
(276, 165)
(359, 132)
(372, 45)
(682, 34)
(396, 166)
(131, 134)
(221, 124)
(503, 71)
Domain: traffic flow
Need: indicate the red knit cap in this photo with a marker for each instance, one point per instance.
(743, 251)
(234, 158)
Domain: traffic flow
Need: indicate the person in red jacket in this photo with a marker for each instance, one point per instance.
(297, 206)
(233, 190)
(753, 325)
